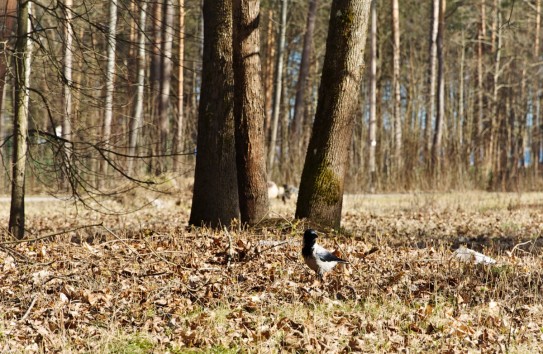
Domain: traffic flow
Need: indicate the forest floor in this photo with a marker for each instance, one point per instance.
(145, 283)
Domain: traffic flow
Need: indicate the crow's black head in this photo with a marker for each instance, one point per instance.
(310, 236)
(309, 241)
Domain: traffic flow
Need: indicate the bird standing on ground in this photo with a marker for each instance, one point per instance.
(317, 257)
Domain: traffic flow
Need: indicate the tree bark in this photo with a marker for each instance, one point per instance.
(321, 189)
(20, 127)
(249, 112)
(215, 196)
(278, 84)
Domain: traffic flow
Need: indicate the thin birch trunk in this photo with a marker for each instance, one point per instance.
(373, 97)
(299, 104)
(68, 63)
(494, 124)
(166, 82)
(137, 121)
(178, 134)
(269, 72)
(440, 118)
(461, 120)
(110, 83)
(479, 140)
(537, 27)
(155, 77)
(396, 88)
(278, 84)
(538, 128)
(431, 108)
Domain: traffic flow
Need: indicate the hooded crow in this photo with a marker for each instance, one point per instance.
(317, 257)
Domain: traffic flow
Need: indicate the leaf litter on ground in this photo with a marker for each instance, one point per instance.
(145, 281)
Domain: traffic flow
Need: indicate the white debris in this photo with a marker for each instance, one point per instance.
(466, 255)
(158, 203)
(273, 191)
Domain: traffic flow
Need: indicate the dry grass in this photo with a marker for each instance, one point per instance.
(146, 284)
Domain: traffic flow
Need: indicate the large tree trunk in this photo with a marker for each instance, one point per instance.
(215, 196)
(178, 134)
(373, 98)
(321, 189)
(278, 84)
(137, 121)
(249, 112)
(22, 57)
(396, 89)
(110, 77)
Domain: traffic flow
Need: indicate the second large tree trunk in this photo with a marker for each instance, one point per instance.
(249, 112)
(215, 197)
(321, 189)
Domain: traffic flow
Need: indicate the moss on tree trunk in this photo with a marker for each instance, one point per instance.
(321, 188)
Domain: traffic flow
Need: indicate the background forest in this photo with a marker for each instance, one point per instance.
(459, 109)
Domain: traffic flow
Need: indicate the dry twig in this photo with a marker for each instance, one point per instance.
(32, 303)
(39, 238)
(230, 251)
